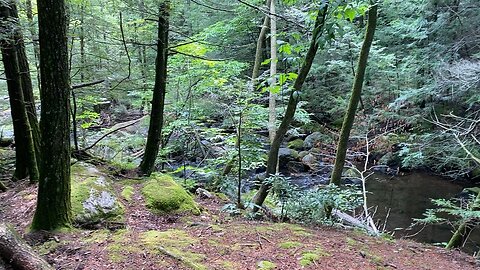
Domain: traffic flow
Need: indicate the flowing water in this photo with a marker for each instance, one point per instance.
(406, 197)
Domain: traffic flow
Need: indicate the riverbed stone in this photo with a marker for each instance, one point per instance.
(310, 160)
(296, 144)
(93, 197)
(296, 167)
(315, 138)
(286, 155)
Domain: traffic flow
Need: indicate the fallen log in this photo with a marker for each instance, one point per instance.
(346, 218)
(3, 187)
(15, 251)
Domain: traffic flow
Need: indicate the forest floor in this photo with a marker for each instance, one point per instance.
(214, 240)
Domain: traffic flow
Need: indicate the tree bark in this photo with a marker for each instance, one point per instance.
(272, 115)
(25, 160)
(291, 107)
(33, 35)
(258, 51)
(158, 101)
(53, 202)
(354, 99)
(15, 251)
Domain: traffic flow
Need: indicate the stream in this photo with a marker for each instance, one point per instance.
(408, 197)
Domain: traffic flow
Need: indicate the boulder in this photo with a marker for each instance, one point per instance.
(286, 155)
(163, 196)
(310, 160)
(93, 197)
(314, 138)
(297, 167)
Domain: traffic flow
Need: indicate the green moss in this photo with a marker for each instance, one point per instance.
(296, 144)
(222, 196)
(127, 193)
(351, 242)
(163, 195)
(309, 257)
(47, 247)
(92, 195)
(175, 242)
(228, 265)
(289, 244)
(266, 265)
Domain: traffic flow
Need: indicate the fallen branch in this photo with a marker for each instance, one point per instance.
(181, 259)
(115, 128)
(354, 221)
(3, 187)
(15, 251)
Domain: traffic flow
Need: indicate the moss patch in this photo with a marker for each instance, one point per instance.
(311, 257)
(289, 244)
(127, 193)
(266, 265)
(47, 247)
(93, 196)
(296, 144)
(163, 195)
(175, 242)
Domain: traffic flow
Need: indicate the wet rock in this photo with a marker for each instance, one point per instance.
(203, 193)
(286, 155)
(303, 154)
(310, 160)
(296, 167)
(93, 196)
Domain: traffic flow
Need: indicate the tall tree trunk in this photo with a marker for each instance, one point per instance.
(53, 202)
(272, 116)
(258, 51)
(291, 106)
(158, 101)
(355, 98)
(25, 161)
(33, 36)
(27, 89)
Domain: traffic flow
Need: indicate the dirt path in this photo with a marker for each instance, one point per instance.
(213, 240)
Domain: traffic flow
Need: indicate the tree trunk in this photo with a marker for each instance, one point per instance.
(16, 252)
(272, 115)
(158, 101)
(25, 161)
(291, 107)
(461, 234)
(33, 35)
(258, 51)
(27, 89)
(354, 99)
(53, 202)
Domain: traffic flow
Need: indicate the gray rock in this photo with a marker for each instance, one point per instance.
(286, 155)
(296, 167)
(310, 160)
(314, 138)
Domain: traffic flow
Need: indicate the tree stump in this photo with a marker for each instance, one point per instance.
(15, 251)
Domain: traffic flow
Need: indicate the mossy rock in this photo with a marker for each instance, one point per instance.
(163, 195)
(296, 144)
(289, 245)
(311, 257)
(93, 196)
(266, 265)
(128, 192)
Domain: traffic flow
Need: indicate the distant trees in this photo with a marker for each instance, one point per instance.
(53, 203)
(152, 147)
(292, 105)
(20, 91)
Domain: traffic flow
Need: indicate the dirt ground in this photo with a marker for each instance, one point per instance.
(214, 240)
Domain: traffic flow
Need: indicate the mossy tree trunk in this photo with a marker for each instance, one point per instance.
(53, 202)
(25, 160)
(461, 234)
(158, 101)
(355, 98)
(291, 106)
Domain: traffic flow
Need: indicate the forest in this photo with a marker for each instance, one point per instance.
(239, 134)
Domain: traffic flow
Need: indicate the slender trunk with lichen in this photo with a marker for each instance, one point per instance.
(53, 202)
(291, 107)
(272, 116)
(355, 98)
(158, 102)
(25, 158)
(259, 50)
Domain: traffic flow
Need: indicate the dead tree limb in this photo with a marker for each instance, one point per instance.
(15, 251)
(3, 187)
